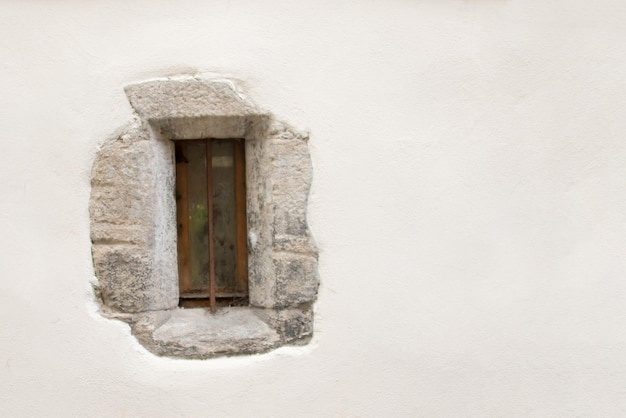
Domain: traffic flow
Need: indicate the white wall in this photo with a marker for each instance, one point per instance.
(468, 200)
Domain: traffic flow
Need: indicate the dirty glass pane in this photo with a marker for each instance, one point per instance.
(224, 232)
(198, 216)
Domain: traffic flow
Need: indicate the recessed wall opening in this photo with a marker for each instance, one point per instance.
(182, 216)
(211, 223)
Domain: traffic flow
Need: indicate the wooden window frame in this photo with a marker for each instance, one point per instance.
(211, 298)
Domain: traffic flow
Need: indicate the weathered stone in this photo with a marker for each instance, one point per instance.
(107, 233)
(261, 281)
(132, 203)
(278, 198)
(259, 180)
(296, 279)
(164, 221)
(302, 244)
(126, 279)
(288, 280)
(291, 169)
(144, 324)
(196, 333)
(292, 325)
(191, 108)
(122, 180)
(198, 128)
(188, 97)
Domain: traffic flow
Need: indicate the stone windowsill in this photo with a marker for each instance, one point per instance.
(198, 333)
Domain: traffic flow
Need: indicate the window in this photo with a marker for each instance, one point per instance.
(211, 223)
(167, 169)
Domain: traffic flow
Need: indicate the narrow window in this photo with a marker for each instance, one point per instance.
(211, 218)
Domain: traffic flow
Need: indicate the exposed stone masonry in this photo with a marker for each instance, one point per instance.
(133, 223)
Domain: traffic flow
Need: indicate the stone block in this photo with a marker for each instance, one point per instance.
(296, 278)
(122, 158)
(291, 180)
(191, 108)
(121, 205)
(125, 274)
(130, 280)
(196, 333)
(291, 324)
(188, 97)
(122, 182)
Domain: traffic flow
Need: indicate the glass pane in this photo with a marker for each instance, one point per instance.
(198, 216)
(224, 217)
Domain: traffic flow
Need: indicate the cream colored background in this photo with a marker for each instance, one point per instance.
(469, 202)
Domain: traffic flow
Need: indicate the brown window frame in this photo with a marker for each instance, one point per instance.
(211, 297)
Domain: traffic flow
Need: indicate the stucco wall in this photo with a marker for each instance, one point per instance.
(468, 202)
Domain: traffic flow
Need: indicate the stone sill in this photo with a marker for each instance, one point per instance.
(199, 334)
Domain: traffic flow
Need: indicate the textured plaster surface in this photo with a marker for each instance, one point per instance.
(468, 204)
(133, 216)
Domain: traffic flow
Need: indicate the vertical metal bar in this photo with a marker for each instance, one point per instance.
(209, 168)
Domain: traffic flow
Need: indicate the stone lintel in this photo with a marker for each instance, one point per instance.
(192, 108)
